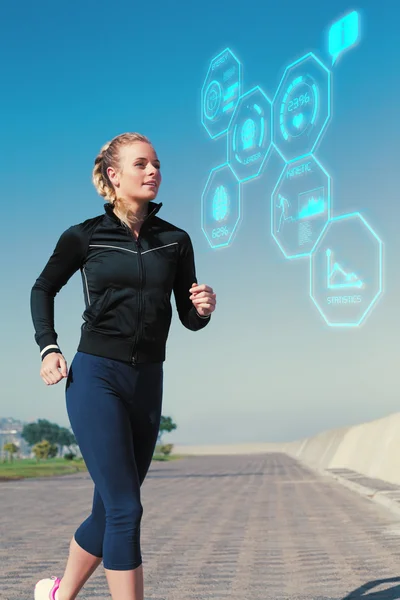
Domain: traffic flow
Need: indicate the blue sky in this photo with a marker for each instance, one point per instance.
(267, 367)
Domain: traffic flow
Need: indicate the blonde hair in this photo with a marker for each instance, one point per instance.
(109, 156)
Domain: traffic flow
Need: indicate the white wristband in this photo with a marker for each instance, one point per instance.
(47, 347)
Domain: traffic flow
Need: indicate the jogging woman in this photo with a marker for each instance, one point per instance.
(130, 262)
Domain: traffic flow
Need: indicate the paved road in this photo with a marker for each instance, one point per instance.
(258, 527)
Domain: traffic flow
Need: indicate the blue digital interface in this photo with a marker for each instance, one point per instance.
(300, 206)
(344, 251)
(220, 206)
(343, 34)
(249, 136)
(301, 107)
(220, 93)
(346, 271)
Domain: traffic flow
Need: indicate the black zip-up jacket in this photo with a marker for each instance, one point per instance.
(127, 286)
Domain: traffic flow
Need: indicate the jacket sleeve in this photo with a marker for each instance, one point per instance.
(66, 259)
(184, 278)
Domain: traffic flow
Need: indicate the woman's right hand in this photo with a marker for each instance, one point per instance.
(51, 364)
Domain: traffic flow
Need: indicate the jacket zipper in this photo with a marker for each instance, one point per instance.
(139, 317)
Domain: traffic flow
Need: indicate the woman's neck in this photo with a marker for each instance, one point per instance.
(132, 218)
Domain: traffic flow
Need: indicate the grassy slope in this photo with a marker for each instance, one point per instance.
(29, 467)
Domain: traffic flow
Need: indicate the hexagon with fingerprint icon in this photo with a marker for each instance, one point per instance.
(220, 206)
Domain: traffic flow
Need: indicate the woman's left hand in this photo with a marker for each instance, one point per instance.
(203, 299)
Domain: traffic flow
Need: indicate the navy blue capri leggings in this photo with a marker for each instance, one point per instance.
(114, 409)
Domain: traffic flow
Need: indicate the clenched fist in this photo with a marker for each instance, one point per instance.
(54, 368)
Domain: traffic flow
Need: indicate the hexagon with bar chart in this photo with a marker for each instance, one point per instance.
(346, 271)
(300, 206)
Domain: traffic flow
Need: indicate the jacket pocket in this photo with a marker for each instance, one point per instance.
(95, 311)
(114, 313)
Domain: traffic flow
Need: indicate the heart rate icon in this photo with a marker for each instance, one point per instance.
(298, 120)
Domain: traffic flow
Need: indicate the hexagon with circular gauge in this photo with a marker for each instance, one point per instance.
(301, 107)
(220, 93)
(220, 206)
(249, 135)
(300, 206)
(346, 271)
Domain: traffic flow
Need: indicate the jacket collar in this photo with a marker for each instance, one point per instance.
(152, 210)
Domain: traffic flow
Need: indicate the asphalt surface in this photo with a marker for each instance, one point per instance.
(254, 527)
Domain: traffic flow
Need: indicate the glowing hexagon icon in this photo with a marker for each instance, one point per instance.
(220, 206)
(220, 93)
(301, 107)
(346, 271)
(300, 206)
(249, 136)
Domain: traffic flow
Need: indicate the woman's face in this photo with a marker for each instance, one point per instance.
(140, 176)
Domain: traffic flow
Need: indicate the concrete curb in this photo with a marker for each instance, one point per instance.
(374, 495)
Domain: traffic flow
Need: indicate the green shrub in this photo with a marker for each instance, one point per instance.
(69, 456)
(166, 449)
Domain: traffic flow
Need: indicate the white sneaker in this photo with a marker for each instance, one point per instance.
(46, 589)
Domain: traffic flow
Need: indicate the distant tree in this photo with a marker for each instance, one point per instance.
(44, 449)
(65, 438)
(30, 433)
(11, 449)
(166, 424)
(33, 433)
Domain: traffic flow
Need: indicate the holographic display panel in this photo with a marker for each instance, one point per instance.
(220, 206)
(344, 34)
(345, 253)
(249, 136)
(301, 107)
(300, 207)
(346, 271)
(220, 93)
